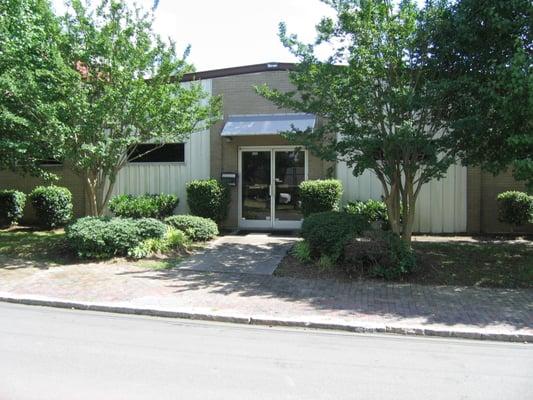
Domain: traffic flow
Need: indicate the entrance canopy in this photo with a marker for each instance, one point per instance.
(266, 124)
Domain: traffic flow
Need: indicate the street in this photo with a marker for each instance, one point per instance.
(48, 353)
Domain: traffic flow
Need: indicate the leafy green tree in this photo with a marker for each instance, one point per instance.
(482, 57)
(371, 93)
(128, 92)
(34, 84)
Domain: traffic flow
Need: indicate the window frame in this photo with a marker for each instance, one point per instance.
(162, 162)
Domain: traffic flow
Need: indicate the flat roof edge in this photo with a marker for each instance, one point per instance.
(245, 69)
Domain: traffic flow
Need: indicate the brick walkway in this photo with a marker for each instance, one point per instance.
(361, 306)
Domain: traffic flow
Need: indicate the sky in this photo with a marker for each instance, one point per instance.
(229, 33)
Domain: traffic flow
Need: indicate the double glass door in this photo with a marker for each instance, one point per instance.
(268, 191)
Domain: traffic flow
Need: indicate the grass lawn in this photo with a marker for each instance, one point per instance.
(25, 243)
(485, 263)
(29, 244)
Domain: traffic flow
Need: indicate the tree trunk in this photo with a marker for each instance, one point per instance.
(393, 208)
(90, 195)
(409, 204)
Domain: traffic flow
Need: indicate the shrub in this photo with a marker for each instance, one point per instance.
(173, 239)
(515, 208)
(372, 210)
(101, 237)
(302, 251)
(383, 253)
(11, 206)
(198, 229)
(327, 232)
(320, 195)
(53, 205)
(208, 198)
(146, 206)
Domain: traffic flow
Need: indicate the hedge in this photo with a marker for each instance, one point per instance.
(208, 198)
(515, 208)
(53, 205)
(145, 206)
(103, 237)
(320, 195)
(327, 232)
(198, 229)
(12, 204)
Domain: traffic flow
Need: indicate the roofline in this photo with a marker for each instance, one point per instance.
(245, 69)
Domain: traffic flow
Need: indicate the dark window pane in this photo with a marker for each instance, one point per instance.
(169, 152)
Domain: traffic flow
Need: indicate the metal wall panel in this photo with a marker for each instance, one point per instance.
(171, 178)
(441, 205)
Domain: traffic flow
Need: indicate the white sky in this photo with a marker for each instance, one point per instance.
(228, 33)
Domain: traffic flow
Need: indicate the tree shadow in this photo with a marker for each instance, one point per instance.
(448, 305)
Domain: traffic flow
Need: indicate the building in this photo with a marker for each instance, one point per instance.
(246, 150)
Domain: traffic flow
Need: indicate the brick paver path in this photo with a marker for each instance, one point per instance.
(359, 304)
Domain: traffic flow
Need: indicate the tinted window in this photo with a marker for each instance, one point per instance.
(169, 152)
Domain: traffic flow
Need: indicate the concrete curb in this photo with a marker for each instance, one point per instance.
(383, 328)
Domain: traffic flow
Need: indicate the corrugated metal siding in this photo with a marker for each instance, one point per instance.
(441, 205)
(171, 178)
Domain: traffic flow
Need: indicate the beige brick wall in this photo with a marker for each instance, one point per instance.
(239, 97)
(10, 180)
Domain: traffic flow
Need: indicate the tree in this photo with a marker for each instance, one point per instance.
(34, 83)
(128, 92)
(483, 84)
(371, 93)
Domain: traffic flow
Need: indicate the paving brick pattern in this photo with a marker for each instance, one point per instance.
(394, 307)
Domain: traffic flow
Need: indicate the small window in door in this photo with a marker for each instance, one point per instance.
(149, 153)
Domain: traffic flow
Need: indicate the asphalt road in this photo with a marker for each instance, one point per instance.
(57, 354)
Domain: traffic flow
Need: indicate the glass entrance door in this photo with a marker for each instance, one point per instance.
(269, 197)
(256, 207)
(289, 172)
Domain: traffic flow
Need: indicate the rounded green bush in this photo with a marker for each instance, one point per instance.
(320, 195)
(146, 206)
(208, 198)
(12, 204)
(102, 237)
(515, 208)
(327, 232)
(52, 204)
(198, 229)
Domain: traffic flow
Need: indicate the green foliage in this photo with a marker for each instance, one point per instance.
(482, 82)
(146, 206)
(35, 83)
(173, 240)
(302, 251)
(515, 208)
(149, 227)
(12, 204)
(102, 237)
(320, 195)
(372, 94)
(384, 254)
(198, 229)
(208, 198)
(327, 232)
(372, 210)
(52, 204)
(326, 262)
(114, 50)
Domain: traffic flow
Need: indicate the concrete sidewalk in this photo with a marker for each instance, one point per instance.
(496, 314)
